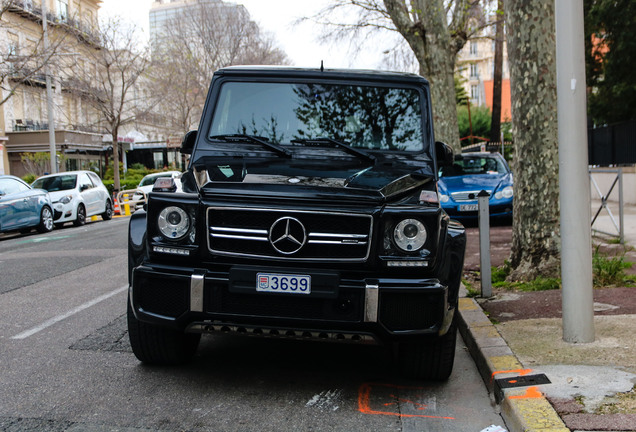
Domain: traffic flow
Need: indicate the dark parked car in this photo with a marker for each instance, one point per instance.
(309, 210)
(22, 207)
(460, 183)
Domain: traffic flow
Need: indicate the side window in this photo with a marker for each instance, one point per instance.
(85, 182)
(94, 178)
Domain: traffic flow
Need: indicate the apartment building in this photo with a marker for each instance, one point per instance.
(476, 65)
(26, 60)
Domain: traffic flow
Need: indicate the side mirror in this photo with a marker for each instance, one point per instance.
(444, 154)
(188, 142)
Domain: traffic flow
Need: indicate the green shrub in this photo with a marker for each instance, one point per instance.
(499, 274)
(123, 184)
(29, 178)
(609, 271)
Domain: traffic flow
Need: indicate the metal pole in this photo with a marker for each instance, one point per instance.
(49, 91)
(574, 182)
(484, 244)
(621, 231)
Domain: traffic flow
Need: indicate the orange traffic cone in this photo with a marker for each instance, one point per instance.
(117, 212)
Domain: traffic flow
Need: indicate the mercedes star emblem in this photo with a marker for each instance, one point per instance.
(287, 235)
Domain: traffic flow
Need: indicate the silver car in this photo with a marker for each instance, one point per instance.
(76, 195)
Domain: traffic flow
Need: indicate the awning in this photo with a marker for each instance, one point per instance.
(65, 141)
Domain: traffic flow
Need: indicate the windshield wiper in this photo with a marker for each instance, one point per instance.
(254, 139)
(338, 144)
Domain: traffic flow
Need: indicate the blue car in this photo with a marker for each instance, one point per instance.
(471, 173)
(22, 207)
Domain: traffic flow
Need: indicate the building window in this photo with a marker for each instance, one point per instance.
(62, 10)
(474, 73)
(474, 94)
(14, 45)
(473, 48)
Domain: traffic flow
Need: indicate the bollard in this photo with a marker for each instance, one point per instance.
(126, 205)
(484, 244)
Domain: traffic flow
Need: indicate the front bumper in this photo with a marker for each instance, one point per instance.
(495, 210)
(63, 212)
(340, 308)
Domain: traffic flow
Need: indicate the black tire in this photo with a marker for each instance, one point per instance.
(158, 345)
(108, 211)
(81, 216)
(429, 359)
(46, 220)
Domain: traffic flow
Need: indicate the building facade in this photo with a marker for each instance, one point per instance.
(476, 64)
(27, 59)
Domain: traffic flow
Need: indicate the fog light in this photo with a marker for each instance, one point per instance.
(407, 263)
(171, 250)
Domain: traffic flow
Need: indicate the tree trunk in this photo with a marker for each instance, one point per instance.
(116, 181)
(430, 40)
(532, 58)
(495, 124)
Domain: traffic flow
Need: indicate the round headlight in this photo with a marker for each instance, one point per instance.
(173, 222)
(409, 235)
(506, 192)
(443, 198)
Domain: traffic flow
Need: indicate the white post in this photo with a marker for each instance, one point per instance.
(574, 182)
(49, 91)
(484, 244)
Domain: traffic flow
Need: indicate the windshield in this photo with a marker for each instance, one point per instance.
(376, 118)
(150, 180)
(471, 165)
(56, 183)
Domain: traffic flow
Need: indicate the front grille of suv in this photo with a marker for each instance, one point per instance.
(289, 234)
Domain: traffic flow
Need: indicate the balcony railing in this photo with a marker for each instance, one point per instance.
(20, 125)
(29, 9)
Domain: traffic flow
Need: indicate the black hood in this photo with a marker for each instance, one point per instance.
(330, 178)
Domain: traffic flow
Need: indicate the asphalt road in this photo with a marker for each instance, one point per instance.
(66, 363)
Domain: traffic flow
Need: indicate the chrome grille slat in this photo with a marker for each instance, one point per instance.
(464, 196)
(331, 236)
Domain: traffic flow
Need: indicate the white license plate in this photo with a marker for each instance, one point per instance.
(468, 207)
(283, 283)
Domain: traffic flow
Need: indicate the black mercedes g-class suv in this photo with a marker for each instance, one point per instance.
(309, 210)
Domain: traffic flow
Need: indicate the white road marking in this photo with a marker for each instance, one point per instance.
(59, 318)
(326, 400)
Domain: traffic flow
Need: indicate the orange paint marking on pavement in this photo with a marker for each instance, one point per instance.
(520, 372)
(399, 399)
(364, 406)
(531, 393)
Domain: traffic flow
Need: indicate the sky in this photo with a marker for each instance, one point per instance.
(300, 42)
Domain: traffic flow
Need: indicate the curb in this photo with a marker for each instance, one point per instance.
(524, 409)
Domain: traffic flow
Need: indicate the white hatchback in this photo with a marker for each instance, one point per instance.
(146, 184)
(76, 195)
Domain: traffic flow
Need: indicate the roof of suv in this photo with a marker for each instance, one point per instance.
(292, 71)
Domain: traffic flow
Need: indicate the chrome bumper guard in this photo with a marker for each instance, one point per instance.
(282, 333)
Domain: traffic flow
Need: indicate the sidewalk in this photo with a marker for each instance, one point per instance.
(591, 386)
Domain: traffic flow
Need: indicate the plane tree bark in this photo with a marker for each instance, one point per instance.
(532, 57)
